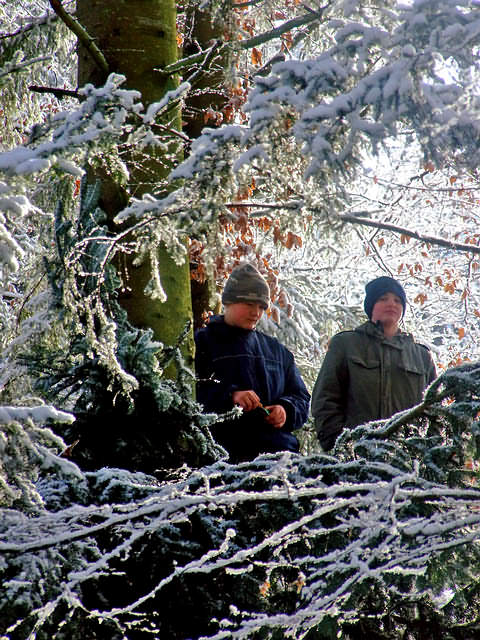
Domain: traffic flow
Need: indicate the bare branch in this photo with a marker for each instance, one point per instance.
(263, 205)
(22, 65)
(174, 132)
(441, 242)
(203, 58)
(58, 93)
(294, 23)
(86, 40)
(357, 218)
(209, 58)
(267, 67)
(244, 5)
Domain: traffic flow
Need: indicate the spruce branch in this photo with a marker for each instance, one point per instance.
(24, 29)
(86, 40)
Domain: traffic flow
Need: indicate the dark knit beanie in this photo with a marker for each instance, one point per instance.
(245, 284)
(377, 288)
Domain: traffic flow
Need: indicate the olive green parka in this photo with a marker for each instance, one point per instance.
(366, 376)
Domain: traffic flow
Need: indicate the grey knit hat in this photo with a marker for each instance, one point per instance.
(377, 288)
(246, 284)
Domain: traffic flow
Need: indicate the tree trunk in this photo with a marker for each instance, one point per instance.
(210, 94)
(136, 37)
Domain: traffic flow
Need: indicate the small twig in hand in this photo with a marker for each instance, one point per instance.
(67, 453)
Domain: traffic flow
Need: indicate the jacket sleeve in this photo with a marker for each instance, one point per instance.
(432, 372)
(214, 396)
(425, 361)
(329, 395)
(295, 398)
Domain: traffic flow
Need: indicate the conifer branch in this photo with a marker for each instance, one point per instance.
(22, 65)
(24, 29)
(86, 40)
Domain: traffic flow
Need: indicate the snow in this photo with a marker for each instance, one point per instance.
(39, 414)
(255, 152)
(32, 165)
(205, 148)
(393, 539)
(70, 167)
(15, 157)
(155, 108)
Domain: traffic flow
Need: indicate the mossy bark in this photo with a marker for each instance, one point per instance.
(136, 37)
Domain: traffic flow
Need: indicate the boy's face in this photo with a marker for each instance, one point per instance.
(243, 314)
(388, 309)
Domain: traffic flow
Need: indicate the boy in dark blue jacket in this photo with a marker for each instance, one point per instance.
(237, 365)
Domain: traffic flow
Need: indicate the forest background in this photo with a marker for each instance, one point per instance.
(147, 147)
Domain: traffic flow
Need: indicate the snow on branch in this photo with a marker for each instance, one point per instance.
(38, 414)
(328, 531)
(380, 75)
(285, 542)
(20, 66)
(343, 101)
(57, 144)
(69, 131)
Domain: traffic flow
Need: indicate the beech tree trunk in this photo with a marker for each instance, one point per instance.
(136, 37)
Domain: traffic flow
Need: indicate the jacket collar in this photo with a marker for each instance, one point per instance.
(218, 323)
(375, 330)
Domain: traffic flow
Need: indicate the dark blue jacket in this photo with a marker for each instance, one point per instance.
(232, 359)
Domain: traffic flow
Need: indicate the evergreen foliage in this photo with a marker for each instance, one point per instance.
(109, 374)
(372, 540)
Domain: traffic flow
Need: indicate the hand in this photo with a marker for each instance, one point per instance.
(248, 400)
(277, 417)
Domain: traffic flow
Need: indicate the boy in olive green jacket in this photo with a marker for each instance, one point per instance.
(373, 371)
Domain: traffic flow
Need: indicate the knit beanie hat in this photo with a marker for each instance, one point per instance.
(245, 284)
(377, 288)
